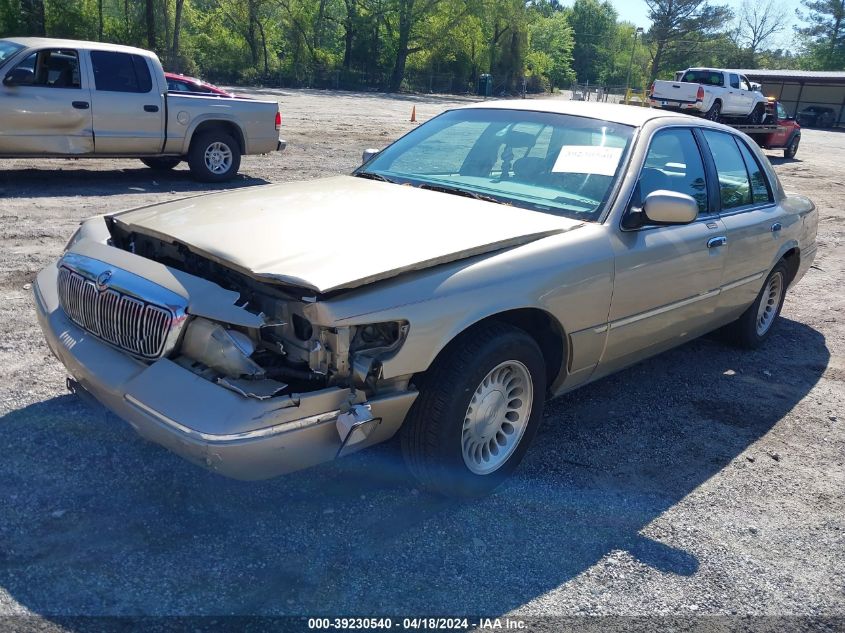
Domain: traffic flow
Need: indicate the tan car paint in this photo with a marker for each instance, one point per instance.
(355, 221)
(615, 296)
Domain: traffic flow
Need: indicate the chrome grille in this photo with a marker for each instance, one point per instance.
(131, 324)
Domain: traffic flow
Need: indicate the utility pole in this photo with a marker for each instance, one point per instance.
(631, 63)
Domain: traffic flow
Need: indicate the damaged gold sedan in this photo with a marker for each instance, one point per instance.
(498, 255)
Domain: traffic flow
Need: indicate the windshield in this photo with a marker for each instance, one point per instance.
(553, 163)
(7, 49)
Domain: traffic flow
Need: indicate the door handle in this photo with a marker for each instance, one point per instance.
(80, 105)
(713, 242)
(150, 108)
(776, 227)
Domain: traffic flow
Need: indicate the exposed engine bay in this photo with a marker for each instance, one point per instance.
(287, 353)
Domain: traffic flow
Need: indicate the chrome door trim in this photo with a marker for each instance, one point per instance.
(662, 309)
(743, 281)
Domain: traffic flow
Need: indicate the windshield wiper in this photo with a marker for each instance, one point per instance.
(460, 192)
(371, 175)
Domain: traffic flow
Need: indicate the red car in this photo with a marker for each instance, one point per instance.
(182, 83)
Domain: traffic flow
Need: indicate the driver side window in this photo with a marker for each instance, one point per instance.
(51, 68)
(673, 163)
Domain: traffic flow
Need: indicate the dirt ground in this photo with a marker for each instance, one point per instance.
(704, 481)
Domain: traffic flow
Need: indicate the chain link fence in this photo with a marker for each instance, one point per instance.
(413, 81)
(608, 94)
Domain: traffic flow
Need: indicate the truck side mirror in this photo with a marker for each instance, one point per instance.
(17, 77)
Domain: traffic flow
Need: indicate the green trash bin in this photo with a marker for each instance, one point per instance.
(485, 85)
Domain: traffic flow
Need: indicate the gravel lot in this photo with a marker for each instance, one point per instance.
(704, 481)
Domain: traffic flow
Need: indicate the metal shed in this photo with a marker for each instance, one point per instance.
(797, 89)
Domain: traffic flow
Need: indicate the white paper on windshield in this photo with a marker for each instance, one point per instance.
(587, 159)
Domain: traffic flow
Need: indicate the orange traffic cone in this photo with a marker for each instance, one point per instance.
(414, 114)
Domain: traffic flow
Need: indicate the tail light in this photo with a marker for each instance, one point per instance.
(278, 121)
(651, 90)
(699, 96)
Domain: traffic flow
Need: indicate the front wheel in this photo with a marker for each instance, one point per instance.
(161, 164)
(792, 149)
(756, 323)
(757, 114)
(214, 157)
(479, 407)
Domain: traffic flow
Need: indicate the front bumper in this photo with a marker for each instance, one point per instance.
(207, 424)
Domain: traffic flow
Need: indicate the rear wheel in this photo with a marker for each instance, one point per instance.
(214, 156)
(792, 149)
(161, 164)
(479, 407)
(715, 111)
(756, 323)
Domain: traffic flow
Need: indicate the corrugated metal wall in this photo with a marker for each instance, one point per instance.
(795, 96)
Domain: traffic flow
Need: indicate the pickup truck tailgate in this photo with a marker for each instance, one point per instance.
(680, 91)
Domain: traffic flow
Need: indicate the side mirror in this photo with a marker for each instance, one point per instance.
(368, 155)
(17, 77)
(670, 207)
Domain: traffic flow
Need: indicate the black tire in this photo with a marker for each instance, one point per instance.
(210, 142)
(792, 149)
(161, 164)
(715, 111)
(757, 114)
(744, 332)
(433, 437)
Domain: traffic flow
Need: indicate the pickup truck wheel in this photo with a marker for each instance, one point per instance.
(161, 164)
(792, 149)
(757, 114)
(214, 157)
(479, 407)
(756, 323)
(714, 112)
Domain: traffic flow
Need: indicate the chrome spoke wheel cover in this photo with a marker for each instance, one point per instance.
(218, 158)
(768, 309)
(497, 417)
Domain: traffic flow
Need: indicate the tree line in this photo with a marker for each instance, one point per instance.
(387, 44)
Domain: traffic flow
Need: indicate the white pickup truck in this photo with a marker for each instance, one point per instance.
(712, 93)
(66, 98)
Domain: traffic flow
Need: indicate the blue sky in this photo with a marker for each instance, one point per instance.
(636, 10)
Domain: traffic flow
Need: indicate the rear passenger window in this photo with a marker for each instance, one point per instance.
(120, 72)
(760, 191)
(734, 188)
(673, 163)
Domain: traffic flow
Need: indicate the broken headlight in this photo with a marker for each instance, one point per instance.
(224, 350)
(378, 338)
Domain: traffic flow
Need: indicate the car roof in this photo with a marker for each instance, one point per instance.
(39, 42)
(613, 112)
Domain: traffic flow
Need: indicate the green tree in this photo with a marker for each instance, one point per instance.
(674, 21)
(594, 26)
(824, 35)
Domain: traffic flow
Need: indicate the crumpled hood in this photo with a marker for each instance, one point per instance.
(341, 232)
